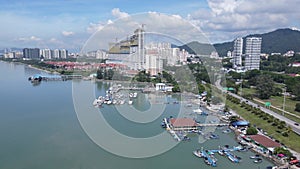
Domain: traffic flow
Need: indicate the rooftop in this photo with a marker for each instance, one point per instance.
(183, 122)
(264, 141)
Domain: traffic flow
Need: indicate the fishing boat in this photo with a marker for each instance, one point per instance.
(197, 153)
(221, 152)
(258, 160)
(130, 102)
(255, 156)
(198, 111)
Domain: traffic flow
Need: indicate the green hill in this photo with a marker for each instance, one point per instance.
(280, 40)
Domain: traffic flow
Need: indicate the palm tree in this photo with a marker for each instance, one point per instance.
(289, 129)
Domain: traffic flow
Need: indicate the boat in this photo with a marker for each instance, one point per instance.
(197, 153)
(213, 136)
(258, 160)
(226, 131)
(198, 111)
(255, 156)
(221, 152)
(130, 102)
(231, 157)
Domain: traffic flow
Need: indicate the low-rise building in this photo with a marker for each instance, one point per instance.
(183, 124)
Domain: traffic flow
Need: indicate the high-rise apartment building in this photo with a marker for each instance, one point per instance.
(31, 53)
(63, 53)
(55, 53)
(253, 50)
(237, 52)
(45, 53)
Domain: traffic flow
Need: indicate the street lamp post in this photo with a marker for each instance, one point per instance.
(284, 96)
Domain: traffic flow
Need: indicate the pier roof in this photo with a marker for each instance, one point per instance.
(264, 141)
(183, 122)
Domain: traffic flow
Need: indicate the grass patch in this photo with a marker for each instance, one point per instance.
(247, 91)
(290, 104)
(280, 112)
(292, 141)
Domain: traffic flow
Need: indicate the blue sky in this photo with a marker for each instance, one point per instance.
(69, 23)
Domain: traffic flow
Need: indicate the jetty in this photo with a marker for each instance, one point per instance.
(39, 77)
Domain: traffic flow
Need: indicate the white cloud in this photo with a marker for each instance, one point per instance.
(230, 18)
(67, 33)
(161, 26)
(31, 38)
(93, 27)
(118, 14)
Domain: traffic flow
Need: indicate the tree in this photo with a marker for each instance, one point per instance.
(176, 88)
(251, 131)
(99, 73)
(110, 74)
(297, 107)
(201, 88)
(296, 91)
(282, 150)
(264, 86)
(233, 119)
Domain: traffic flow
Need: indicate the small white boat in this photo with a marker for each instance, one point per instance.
(198, 111)
(221, 152)
(255, 157)
(130, 102)
(197, 153)
(95, 103)
(258, 160)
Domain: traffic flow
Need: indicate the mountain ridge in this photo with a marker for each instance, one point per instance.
(277, 41)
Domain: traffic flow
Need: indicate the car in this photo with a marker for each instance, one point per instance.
(296, 124)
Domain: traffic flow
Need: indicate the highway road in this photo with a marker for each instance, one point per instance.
(289, 122)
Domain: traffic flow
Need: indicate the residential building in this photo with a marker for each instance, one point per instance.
(9, 55)
(237, 52)
(45, 53)
(55, 54)
(31, 53)
(253, 50)
(63, 53)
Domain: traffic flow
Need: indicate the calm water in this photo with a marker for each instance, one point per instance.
(39, 129)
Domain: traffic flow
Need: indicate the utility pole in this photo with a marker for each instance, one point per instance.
(284, 95)
(241, 84)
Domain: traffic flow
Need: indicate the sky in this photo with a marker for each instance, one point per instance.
(70, 23)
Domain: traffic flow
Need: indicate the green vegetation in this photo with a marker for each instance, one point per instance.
(264, 86)
(142, 76)
(274, 127)
(281, 150)
(297, 107)
(233, 119)
(251, 131)
(106, 74)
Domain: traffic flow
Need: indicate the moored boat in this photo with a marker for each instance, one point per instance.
(197, 153)
(258, 160)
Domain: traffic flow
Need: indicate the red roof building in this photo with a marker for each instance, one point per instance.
(183, 124)
(265, 141)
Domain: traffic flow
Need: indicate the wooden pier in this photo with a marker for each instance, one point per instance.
(212, 124)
